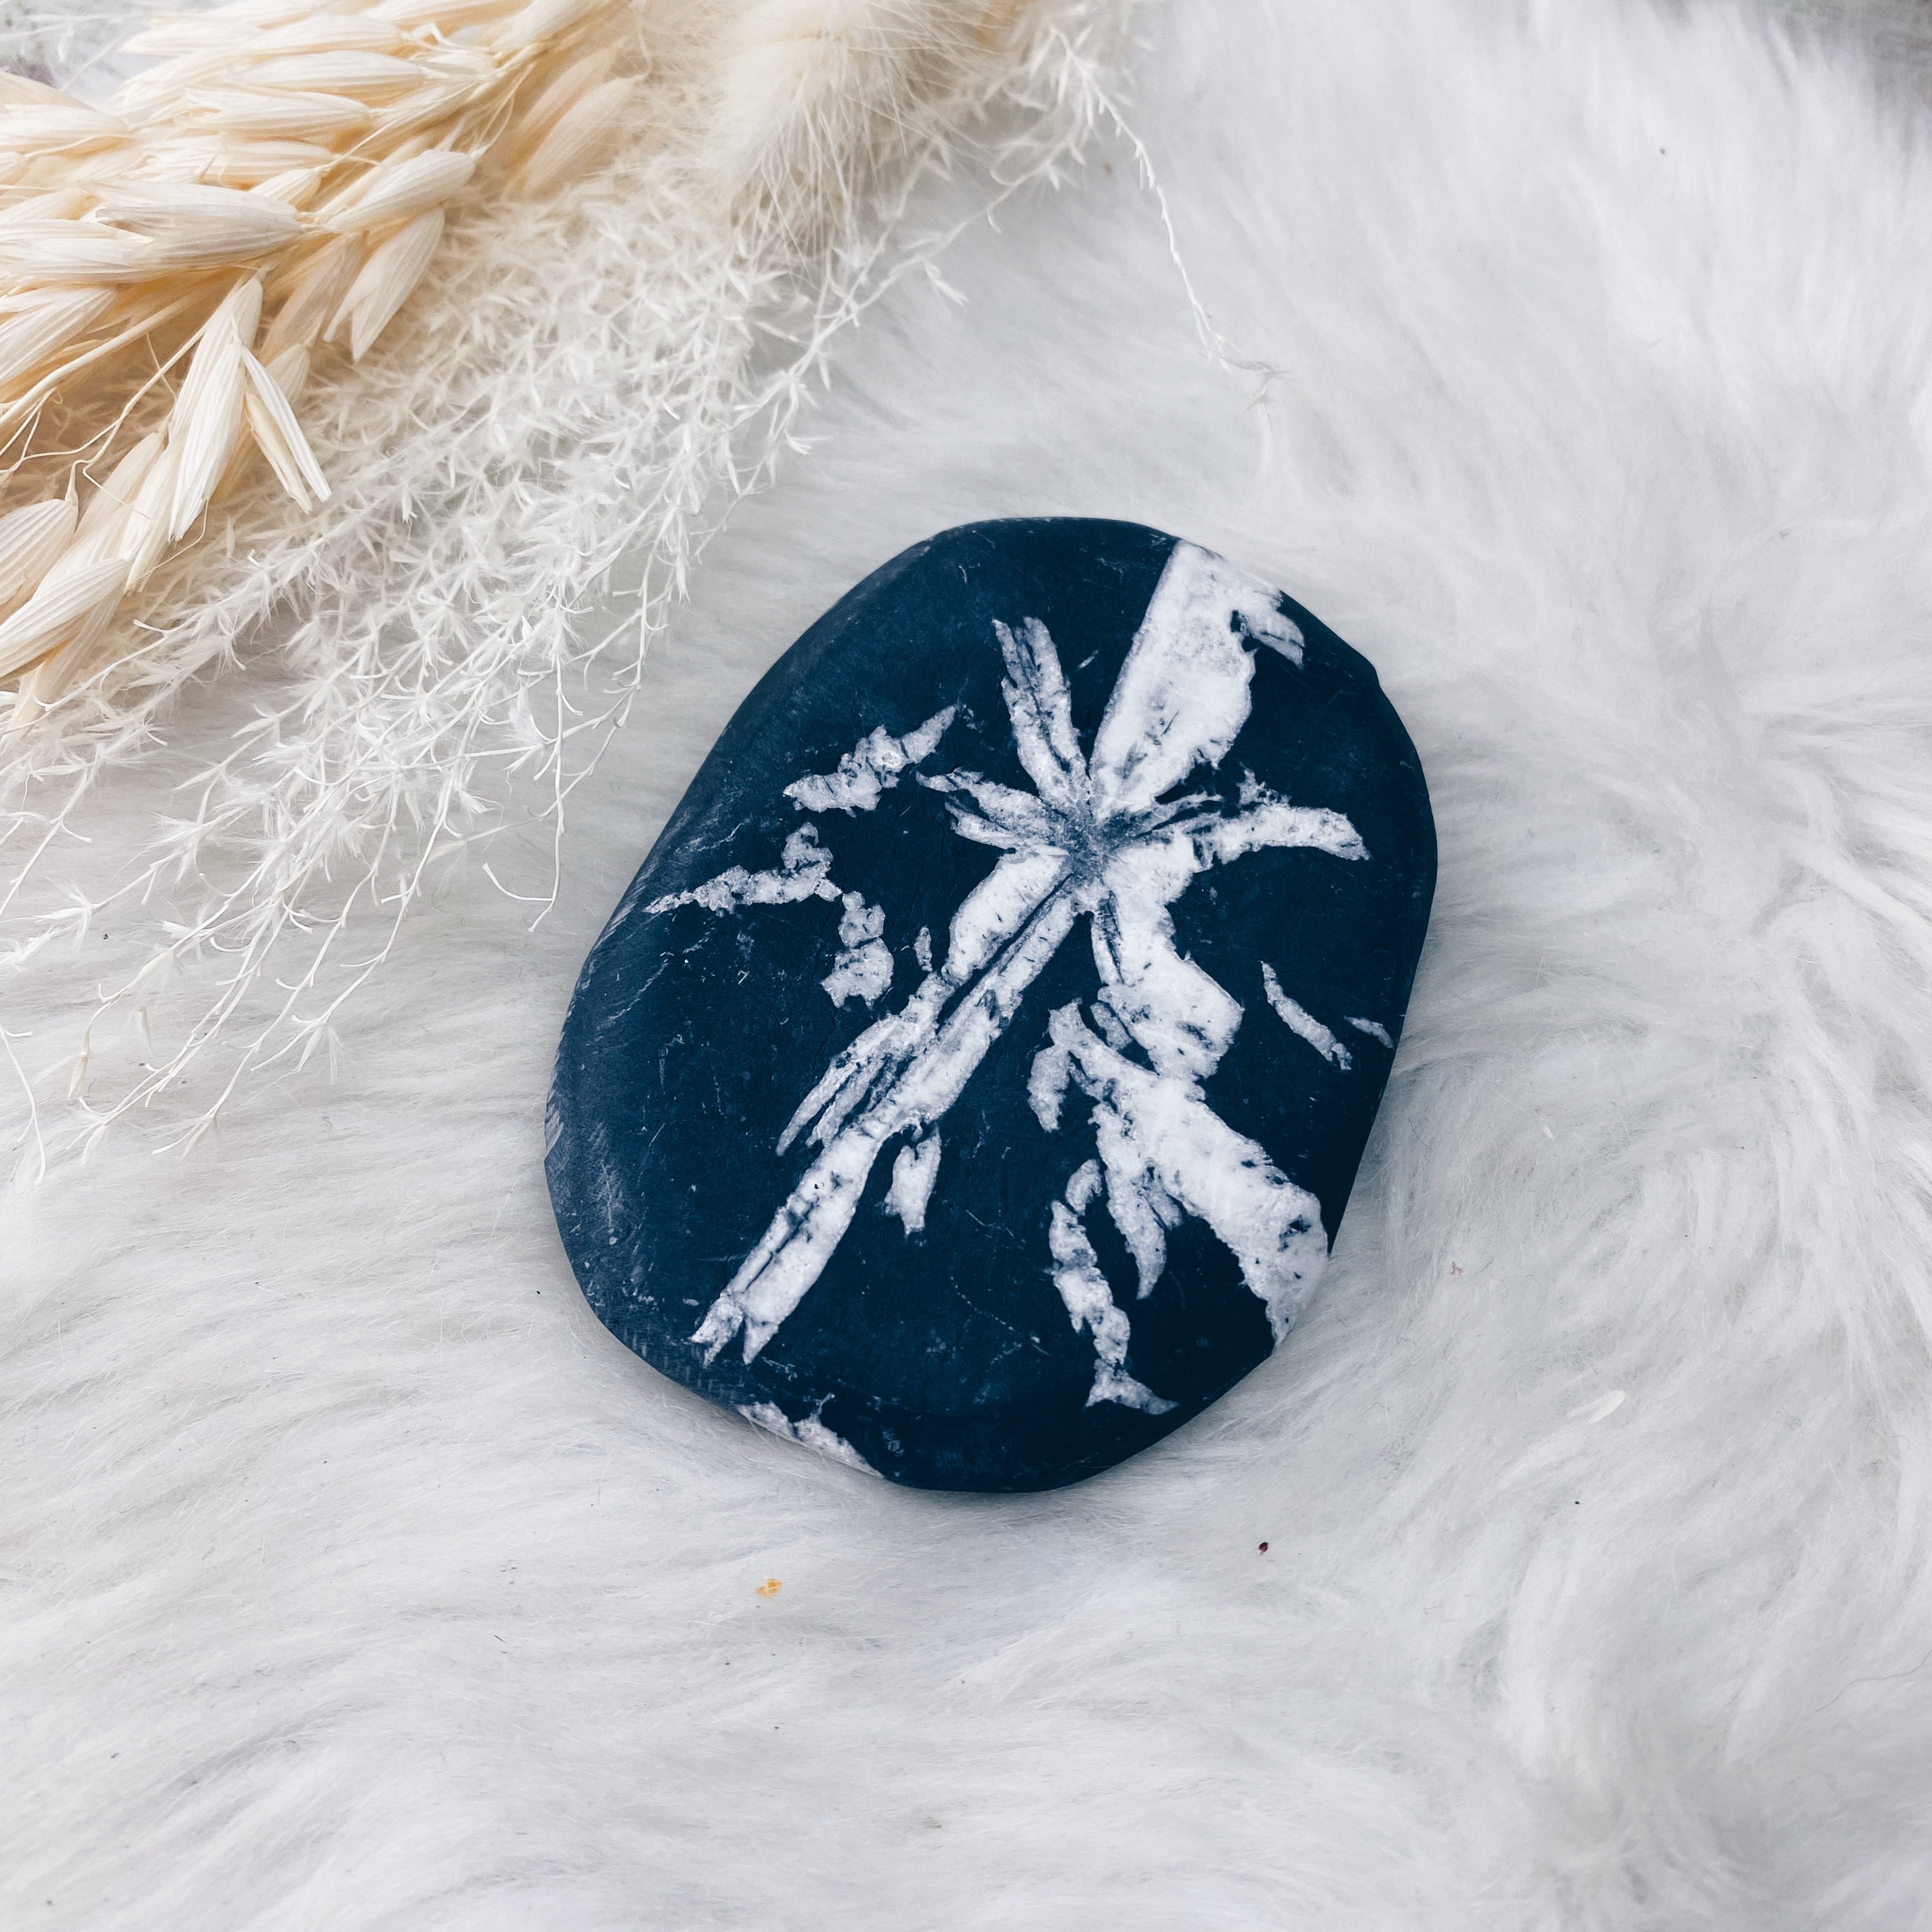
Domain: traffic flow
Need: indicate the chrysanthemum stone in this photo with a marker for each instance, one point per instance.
(971, 1085)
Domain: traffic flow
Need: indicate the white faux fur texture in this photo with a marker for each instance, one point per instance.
(355, 1579)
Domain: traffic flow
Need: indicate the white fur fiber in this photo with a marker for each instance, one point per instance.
(355, 1578)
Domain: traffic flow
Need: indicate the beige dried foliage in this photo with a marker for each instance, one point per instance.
(514, 507)
(581, 135)
(286, 159)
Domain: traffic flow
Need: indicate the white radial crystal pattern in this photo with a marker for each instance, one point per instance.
(1096, 840)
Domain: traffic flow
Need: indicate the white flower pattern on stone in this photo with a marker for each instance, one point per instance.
(1097, 838)
(864, 968)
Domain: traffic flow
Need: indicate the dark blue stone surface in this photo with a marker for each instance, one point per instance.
(971, 1081)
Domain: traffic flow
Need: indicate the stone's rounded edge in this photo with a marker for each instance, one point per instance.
(990, 1479)
(979, 1460)
(1407, 758)
(765, 708)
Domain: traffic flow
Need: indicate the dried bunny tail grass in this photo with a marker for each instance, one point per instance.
(815, 98)
(591, 387)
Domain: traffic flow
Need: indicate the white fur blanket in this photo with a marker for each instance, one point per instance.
(355, 1578)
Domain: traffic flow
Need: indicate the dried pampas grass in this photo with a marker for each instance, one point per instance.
(280, 157)
(583, 390)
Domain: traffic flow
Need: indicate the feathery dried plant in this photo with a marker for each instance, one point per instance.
(585, 390)
(281, 161)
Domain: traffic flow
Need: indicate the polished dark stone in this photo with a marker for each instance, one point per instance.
(972, 1080)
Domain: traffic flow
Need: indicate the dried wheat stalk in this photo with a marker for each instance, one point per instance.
(521, 492)
(278, 183)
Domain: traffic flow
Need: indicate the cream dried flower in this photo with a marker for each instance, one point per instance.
(518, 503)
(281, 160)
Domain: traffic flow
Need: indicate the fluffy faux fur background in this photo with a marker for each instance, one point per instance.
(355, 1578)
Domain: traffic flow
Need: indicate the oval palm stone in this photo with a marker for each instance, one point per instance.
(971, 1083)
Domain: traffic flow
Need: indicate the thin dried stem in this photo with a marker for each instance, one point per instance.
(262, 143)
(519, 493)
